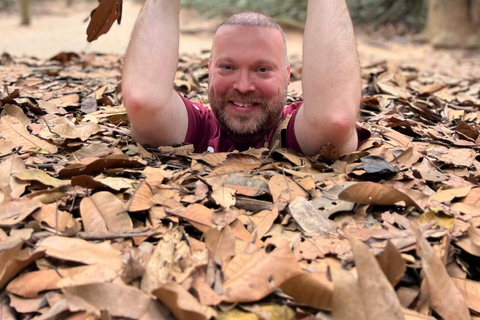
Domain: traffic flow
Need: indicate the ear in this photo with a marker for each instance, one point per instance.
(288, 73)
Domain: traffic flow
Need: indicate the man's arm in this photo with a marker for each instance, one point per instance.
(157, 113)
(331, 79)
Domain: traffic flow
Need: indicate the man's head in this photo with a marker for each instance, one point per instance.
(249, 73)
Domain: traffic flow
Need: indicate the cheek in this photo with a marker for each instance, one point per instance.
(220, 84)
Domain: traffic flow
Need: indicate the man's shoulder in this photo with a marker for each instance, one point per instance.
(292, 108)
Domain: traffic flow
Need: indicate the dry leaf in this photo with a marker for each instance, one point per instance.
(118, 300)
(12, 129)
(15, 211)
(251, 277)
(284, 189)
(221, 243)
(103, 18)
(104, 212)
(379, 298)
(182, 304)
(445, 298)
(312, 289)
(376, 194)
(81, 251)
(309, 219)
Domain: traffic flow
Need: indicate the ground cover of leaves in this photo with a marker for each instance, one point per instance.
(94, 226)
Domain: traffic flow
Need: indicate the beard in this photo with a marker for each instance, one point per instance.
(267, 112)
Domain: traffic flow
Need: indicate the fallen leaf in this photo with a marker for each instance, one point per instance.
(104, 212)
(376, 194)
(13, 260)
(309, 219)
(40, 176)
(221, 243)
(284, 189)
(15, 211)
(392, 264)
(379, 298)
(445, 298)
(81, 251)
(118, 300)
(251, 277)
(12, 129)
(182, 304)
(312, 289)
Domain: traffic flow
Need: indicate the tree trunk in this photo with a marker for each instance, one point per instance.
(453, 23)
(25, 10)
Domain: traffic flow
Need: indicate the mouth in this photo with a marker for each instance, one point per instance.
(244, 105)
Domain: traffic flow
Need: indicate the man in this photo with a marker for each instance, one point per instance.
(248, 79)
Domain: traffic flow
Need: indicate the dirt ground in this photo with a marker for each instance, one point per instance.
(56, 28)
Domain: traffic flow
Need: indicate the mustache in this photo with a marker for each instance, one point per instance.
(243, 98)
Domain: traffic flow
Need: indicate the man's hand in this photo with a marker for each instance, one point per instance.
(331, 79)
(157, 112)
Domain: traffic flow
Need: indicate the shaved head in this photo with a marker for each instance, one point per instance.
(256, 19)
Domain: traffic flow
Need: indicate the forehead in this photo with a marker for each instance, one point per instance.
(238, 41)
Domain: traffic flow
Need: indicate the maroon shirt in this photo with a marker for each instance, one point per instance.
(205, 134)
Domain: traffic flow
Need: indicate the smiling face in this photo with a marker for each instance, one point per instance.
(248, 78)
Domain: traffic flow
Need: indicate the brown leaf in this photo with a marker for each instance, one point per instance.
(12, 129)
(28, 285)
(83, 131)
(104, 212)
(312, 289)
(221, 243)
(182, 304)
(347, 303)
(251, 277)
(200, 216)
(445, 298)
(13, 260)
(40, 176)
(81, 251)
(309, 219)
(264, 221)
(15, 211)
(103, 17)
(8, 167)
(142, 198)
(284, 189)
(379, 298)
(55, 218)
(392, 264)
(99, 165)
(376, 194)
(118, 300)
(246, 186)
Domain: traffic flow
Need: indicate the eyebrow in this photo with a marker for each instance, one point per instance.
(257, 62)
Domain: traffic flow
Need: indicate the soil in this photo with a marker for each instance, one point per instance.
(56, 28)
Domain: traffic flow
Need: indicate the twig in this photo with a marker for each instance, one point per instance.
(110, 235)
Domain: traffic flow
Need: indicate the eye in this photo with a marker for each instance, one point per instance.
(227, 67)
(263, 70)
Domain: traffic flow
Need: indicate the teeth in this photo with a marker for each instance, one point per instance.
(241, 104)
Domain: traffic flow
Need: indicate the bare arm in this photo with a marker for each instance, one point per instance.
(331, 79)
(157, 113)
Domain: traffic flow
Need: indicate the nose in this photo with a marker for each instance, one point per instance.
(243, 83)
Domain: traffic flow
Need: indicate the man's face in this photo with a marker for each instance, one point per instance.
(248, 78)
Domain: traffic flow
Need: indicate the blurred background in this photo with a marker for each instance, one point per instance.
(386, 29)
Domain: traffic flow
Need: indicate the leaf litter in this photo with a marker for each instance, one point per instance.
(95, 226)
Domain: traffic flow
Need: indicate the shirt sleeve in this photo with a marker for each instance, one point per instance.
(199, 125)
(291, 141)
